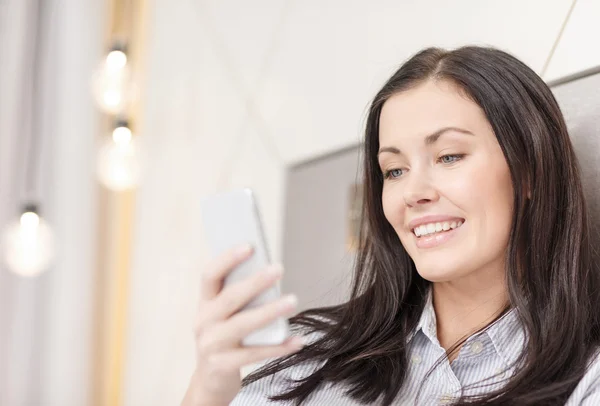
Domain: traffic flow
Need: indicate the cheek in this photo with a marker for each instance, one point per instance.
(392, 203)
(386, 204)
(394, 211)
(492, 196)
(495, 189)
(393, 206)
(484, 184)
(500, 201)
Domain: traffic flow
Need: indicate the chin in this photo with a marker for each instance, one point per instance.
(435, 274)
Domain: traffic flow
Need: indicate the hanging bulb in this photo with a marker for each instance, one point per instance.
(28, 244)
(119, 162)
(111, 83)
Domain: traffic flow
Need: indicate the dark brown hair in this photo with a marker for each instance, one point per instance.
(552, 283)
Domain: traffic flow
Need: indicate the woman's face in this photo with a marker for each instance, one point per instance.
(447, 190)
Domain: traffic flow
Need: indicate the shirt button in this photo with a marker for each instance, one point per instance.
(500, 372)
(476, 347)
(416, 359)
(446, 399)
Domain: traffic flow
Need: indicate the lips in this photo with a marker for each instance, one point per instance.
(437, 238)
(431, 228)
(433, 219)
(434, 230)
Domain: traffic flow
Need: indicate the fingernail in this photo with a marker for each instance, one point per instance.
(275, 270)
(244, 250)
(290, 300)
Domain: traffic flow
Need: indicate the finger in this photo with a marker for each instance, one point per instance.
(212, 277)
(236, 296)
(231, 332)
(240, 357)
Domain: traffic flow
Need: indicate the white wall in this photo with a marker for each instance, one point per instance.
(578, 48)
(47, 322)
(71, 123)
(237, 91)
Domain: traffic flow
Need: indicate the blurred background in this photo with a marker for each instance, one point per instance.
(118, 116)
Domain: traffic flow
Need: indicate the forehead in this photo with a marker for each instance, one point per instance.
(425, 109)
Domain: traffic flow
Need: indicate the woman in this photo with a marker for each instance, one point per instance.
(474, 282)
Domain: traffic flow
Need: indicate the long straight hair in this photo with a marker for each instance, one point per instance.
(553, 286)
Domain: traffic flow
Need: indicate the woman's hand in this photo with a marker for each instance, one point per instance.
(220, 329)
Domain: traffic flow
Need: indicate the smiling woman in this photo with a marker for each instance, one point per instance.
(452, 171)
(474, 282)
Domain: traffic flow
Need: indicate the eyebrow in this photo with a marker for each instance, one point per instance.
(429, 140)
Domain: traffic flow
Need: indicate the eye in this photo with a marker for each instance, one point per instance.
(393, 173)
(450, 159)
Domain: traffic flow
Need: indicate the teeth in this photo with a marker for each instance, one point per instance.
(431, 228)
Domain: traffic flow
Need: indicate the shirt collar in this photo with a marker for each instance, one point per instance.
(508, 336)
(427, 322)
(507, 333)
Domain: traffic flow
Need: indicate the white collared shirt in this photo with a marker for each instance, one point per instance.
(487, 357)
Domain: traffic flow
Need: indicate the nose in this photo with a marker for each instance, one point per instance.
(419, 190)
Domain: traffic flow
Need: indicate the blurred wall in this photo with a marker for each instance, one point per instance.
(46, 322)
(237, 92)
(320, 194)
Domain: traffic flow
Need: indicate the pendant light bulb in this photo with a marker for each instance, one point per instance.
(28, 244)
(112, 82)
(119, 162)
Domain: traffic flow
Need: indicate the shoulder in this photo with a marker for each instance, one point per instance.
(258, 392)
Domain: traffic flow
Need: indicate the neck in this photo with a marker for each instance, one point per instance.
(465, 306)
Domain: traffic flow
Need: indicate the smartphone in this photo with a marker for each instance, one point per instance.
(231, 219)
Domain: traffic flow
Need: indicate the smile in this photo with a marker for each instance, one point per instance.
(436, 228)
(432, 235)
